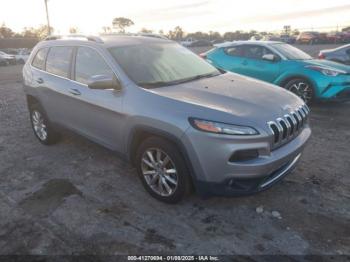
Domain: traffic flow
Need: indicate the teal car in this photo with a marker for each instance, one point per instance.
(286, 66)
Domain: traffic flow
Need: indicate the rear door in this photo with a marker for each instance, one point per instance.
(57, 98)
(98, 113)
(230, 59)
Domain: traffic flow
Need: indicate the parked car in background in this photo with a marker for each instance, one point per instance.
(200, 43)
(286, 66)
(217, 41)
(346, 37)
(270, 38)
(10, 59)
(3, 61)
(289, 39)
(334, 37)
(256, 37)
(177, 118)
(340, 54)
(22, 55)
(308, 38)
(188, 41)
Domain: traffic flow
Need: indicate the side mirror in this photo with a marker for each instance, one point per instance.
(270, 57)
(104, 82)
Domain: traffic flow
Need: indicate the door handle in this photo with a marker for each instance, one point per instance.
(40, 80)
(75, 92)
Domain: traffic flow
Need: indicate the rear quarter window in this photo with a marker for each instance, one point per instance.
(39, 59)
(234, 51)
(58, 60)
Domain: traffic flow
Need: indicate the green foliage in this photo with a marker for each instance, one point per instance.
(121, 23)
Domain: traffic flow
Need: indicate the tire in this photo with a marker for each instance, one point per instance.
(302, 88)
(41, 126)
(153, 173)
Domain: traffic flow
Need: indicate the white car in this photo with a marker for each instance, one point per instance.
(22, 56)
(9, 59)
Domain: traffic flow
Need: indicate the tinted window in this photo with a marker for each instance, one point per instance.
(291, 52)
(234, 50)
(89, 63)
(255, 52)
(58, 60)
(39, 59)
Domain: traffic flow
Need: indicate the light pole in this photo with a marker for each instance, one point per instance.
(47, 17)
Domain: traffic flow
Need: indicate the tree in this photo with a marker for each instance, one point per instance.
(106, 29)
(73, 30)
(161, 32)
(29, 32)
(121, 23)
(43, 31)
(178, 33)
(5, 31)
(346, 29)
(145, 30)
(295, 32)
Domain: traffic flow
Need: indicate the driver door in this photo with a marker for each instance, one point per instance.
(255, 66)
(98, 114)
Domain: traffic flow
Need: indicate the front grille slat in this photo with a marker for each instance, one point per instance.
(289, 126)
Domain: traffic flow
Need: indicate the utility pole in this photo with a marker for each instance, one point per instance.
(47, 17)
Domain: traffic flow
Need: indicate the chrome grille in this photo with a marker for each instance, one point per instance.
(289, 126)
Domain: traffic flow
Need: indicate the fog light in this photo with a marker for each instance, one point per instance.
(244, 155)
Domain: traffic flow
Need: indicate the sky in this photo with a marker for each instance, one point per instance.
(89, 16)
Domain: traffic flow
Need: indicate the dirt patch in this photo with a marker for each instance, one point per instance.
(153, 237)
(49, 197)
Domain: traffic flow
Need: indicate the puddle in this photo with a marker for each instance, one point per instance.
(50, 196)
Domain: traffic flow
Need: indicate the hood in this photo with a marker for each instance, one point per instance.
(236, 95)
(328, 64)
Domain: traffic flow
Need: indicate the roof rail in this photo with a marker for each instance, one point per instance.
(74, 36)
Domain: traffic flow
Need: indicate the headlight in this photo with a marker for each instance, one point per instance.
(326, 71)
(221, 128)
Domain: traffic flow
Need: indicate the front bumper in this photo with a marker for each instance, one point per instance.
(239, 187)
(216, 174)
(337, 88)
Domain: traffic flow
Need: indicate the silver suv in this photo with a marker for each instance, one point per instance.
(183, 123)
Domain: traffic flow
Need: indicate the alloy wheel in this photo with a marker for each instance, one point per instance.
(159, 172)
(303, 90)
(39, 125)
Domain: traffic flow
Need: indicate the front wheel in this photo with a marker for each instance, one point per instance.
(162, 170)
(301, 88)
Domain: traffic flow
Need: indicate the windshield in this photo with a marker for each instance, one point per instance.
(151, 65)
(291, 52)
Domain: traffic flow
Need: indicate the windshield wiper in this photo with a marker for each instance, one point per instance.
(175, 82)
(153, 84)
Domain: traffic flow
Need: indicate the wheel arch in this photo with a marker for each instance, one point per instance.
(32, 100)
(284, 80)
(140, 133)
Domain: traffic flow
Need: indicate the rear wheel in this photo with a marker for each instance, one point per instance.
(41, 126)
(301, 88)
(162, 170)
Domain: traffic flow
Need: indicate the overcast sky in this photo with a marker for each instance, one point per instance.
(191, 15)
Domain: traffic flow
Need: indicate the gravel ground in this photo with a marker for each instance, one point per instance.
(79, 198)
